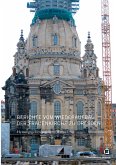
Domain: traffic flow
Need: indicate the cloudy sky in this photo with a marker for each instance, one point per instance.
(14, 16)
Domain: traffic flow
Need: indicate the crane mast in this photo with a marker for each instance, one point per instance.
(106, 65)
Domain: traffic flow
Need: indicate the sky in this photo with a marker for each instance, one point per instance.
(14, 16)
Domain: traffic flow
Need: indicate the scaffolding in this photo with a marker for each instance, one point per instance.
(47, 9)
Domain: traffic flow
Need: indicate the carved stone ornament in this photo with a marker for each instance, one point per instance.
(59, 51)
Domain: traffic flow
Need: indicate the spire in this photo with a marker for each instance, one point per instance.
(89, 35)
(21, 43)
(21, 39)
(89, 46)
(21, 36)
(89, 66)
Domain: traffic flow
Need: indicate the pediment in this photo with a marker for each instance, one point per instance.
(57, 80)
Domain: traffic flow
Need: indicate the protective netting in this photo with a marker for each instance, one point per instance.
(50, 13)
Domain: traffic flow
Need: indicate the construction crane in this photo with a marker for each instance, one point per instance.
(106, 64)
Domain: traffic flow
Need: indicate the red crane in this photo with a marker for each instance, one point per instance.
(107, 78)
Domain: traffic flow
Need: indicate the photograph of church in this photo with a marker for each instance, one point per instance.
(54, 95)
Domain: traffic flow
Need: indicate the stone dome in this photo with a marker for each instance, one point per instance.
(53, 35)
(53, 43)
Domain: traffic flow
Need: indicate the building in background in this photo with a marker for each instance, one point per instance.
(55, 92)
(17, 108)
(114, 120)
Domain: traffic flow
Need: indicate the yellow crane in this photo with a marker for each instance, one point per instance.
(107, 78)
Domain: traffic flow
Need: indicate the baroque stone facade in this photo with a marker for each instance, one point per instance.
(65, 90)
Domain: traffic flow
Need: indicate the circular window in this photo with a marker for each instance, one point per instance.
(57, 88)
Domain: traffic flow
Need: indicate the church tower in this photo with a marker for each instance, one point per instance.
(65, 90)
(89, 66)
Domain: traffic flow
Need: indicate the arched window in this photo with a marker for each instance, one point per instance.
(55, 39)
(85, 73)
(14, 71)
(27, 72)
(33, 110)
(12, 90)
(13, 108)
(56, 69)
(13, 113)
(80, 112)
(74, 41)
(97, 73)
(80, 106)
(34, 41)
(57, 114)
(33, 115)
(99, 109)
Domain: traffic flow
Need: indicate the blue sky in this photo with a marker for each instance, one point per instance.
(14, 16)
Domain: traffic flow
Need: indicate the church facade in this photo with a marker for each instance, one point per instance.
(64, 94)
